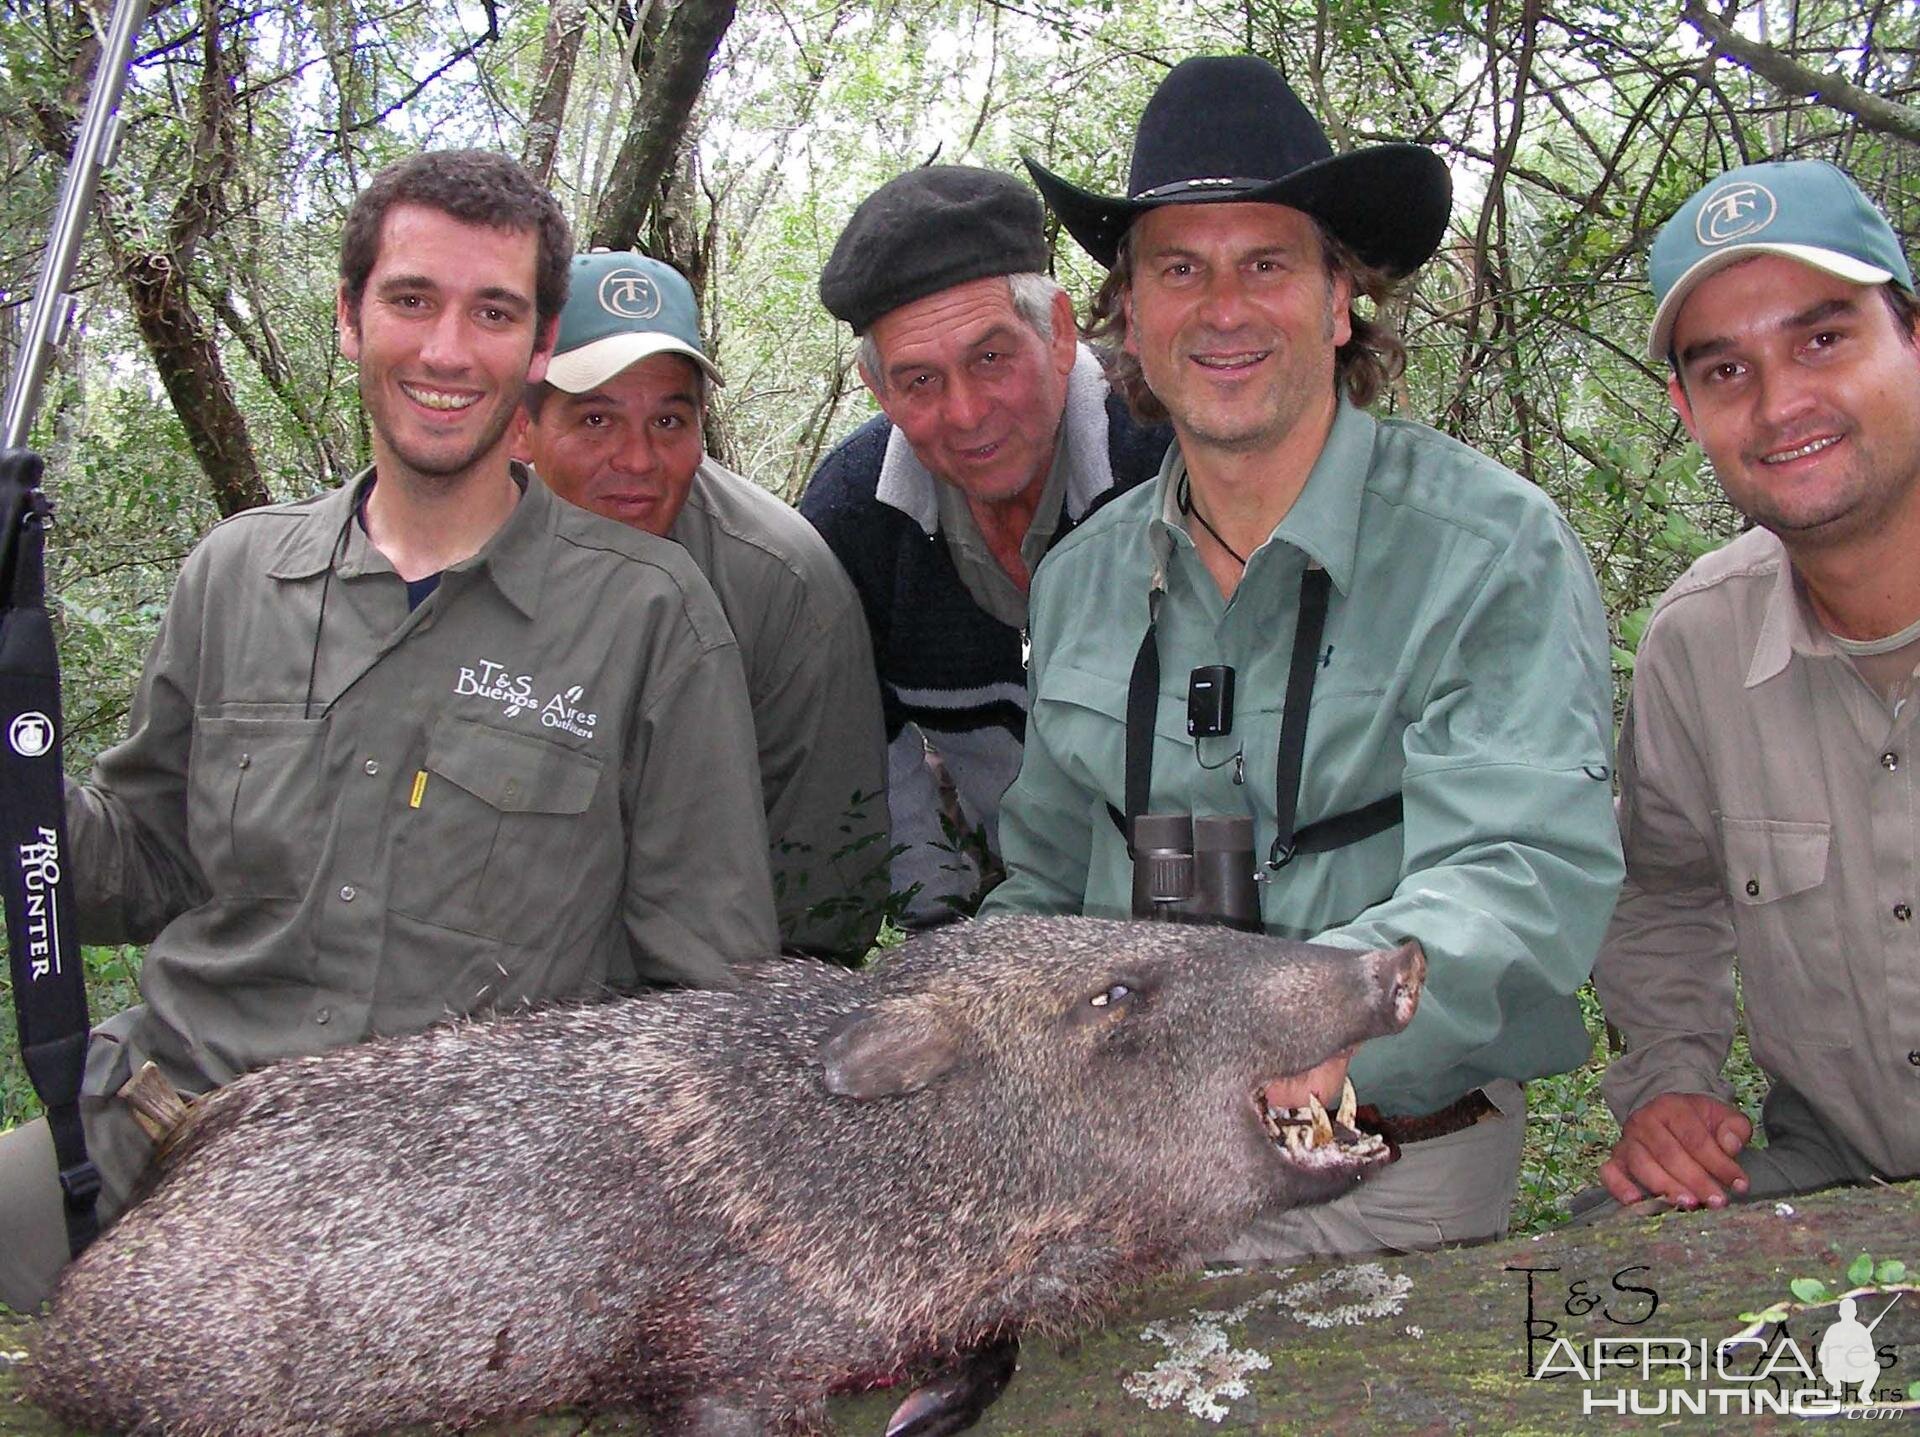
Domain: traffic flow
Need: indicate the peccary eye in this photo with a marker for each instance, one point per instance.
(1117, 993)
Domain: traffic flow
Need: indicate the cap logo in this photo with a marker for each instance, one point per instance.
(629, 294)
(1734, 212)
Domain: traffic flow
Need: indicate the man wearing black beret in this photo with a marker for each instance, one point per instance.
(1379, 651)
(998, 432)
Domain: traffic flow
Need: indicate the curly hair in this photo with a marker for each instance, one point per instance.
(476, 187)
(1371, 359)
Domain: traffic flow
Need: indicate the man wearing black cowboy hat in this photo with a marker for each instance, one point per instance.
(1430, 611)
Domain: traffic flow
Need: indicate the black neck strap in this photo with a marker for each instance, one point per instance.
(1143, 700)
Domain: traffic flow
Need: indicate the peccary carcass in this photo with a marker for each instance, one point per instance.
(718, 1206)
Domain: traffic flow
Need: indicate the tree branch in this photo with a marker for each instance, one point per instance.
(1832, 89)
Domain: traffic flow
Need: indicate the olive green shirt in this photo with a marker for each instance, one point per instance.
(816, 707)
(335, 818)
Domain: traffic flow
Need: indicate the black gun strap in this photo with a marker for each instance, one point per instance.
(49, 981)
(1143, 698)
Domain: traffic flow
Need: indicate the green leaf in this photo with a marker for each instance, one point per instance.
(1860, 1270)
(1913, 1390)
(1808, 1289)
(1776, 1313)
(1892, 1270)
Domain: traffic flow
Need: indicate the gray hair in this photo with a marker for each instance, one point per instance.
(1032, 295)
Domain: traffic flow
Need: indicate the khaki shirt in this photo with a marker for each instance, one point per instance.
(335, 818)
(816, 707)
(1769, 807)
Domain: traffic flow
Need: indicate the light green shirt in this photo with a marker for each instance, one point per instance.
(1464, 665)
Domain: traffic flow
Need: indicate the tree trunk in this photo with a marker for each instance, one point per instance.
(196, 381)
(669, 86)
(566, 24)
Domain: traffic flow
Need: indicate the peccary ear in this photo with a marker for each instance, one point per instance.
(883, 1053)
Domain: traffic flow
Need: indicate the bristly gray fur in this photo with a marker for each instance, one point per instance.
(659, 1202)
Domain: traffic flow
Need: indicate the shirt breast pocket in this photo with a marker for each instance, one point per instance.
(256, 816)
(501, 837)
(1785, 932)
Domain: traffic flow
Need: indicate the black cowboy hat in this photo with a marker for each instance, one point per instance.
(1228, 127)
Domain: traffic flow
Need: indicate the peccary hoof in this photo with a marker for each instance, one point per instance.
(955, 1400)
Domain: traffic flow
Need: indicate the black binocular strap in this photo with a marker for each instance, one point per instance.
(1143, 698)
(49, 982)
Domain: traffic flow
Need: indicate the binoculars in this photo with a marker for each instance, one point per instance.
(1195, 870)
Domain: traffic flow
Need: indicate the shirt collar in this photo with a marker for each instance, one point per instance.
(1324, 522)
(511, 560)
(1787, 625)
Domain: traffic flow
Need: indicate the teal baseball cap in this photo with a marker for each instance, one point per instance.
(623, 308)
(1805, 210)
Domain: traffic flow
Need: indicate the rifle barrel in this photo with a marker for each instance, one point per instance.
(51, 301)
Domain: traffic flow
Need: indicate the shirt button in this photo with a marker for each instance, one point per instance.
(1753, 888)
(372, 766)
(323, 1016)
(1890, 761)
(348, 893)
(1902, 911)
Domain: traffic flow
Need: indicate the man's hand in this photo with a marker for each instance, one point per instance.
(1680, 1146)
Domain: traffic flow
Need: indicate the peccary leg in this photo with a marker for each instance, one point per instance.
(955, 1400)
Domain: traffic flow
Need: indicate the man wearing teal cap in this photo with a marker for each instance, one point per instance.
(1769, 804)
(617, 428)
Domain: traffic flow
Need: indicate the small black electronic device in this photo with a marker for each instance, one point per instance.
(1210, 701)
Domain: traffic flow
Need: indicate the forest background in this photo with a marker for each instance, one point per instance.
(734, 137)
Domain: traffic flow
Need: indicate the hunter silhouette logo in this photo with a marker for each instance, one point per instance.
(31, 734)
(629, 294)
(1734, 212)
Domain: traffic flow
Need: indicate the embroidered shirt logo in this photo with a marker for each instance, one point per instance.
(1734, 212)
(563, 711)
(491, 681)
(629, 294)
(516, 694)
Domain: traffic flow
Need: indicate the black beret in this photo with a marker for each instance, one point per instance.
(928, 230)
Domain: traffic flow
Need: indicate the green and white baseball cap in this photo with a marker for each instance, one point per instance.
(623, 308)
(1806, 210)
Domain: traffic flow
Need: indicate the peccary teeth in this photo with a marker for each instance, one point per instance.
(1322, 1125)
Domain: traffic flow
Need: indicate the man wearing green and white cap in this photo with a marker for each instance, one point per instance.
(1769, 803)
(617, 428)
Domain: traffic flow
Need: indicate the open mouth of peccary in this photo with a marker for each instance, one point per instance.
(1307, 1136)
